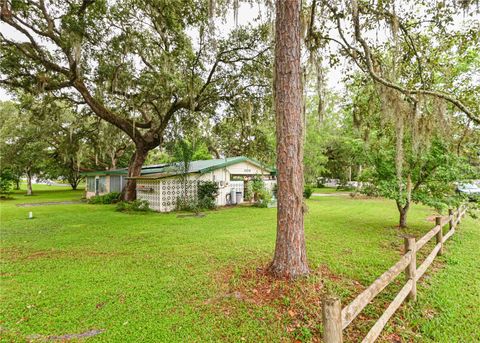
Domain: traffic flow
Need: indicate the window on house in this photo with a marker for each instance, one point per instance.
(115, 183)
(102, 184)
(91, 184)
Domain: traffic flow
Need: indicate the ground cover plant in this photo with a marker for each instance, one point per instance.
(109, 198)
(207, 193)
(133, 206)
(155, 277)
(307, 191)
(326, 190)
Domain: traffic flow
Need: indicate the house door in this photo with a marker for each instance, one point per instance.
(97, 183)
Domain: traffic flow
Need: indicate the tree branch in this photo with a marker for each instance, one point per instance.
(408, 92)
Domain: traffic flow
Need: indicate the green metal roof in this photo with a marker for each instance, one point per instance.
(170, 169)
(157, 168)
(105, 172)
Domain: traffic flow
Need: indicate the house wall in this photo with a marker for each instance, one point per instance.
(150, 190)
(162, 194)
(222, 178)
(270, 184)
(246, 168)
(217, 175)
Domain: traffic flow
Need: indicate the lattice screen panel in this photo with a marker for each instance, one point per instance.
(151, 192)
(172, 189)
(162, 194)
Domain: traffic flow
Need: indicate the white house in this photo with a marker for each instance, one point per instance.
(161, 185)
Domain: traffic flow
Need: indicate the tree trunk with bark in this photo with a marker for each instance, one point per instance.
(290, 258)
(403, 211)
(74, 177)
(29, 183)
(74, 184)
(134, 169)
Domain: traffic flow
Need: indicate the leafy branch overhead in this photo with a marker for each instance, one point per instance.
(432, 50)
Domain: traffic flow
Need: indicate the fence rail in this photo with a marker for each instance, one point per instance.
(336, 319)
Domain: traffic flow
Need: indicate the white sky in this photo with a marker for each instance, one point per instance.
(3, 95)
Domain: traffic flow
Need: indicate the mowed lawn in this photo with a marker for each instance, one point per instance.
(158, 278)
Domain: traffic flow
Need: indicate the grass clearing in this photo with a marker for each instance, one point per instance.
(155, 277)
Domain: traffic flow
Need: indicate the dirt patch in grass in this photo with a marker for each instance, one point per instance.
(49, 203)
(361, 196)
(191, 215)
(296, 304)
(67, 337)
(14, 336)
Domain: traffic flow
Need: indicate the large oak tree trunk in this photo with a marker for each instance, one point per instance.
(134, 169)
(290, 259)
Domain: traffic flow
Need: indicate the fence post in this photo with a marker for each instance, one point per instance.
(450, 219)
(438, 221)
(332, 320)
(459, 214)
(411, 270)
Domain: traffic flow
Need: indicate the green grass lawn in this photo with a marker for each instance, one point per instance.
(156, 277)
(327, 190)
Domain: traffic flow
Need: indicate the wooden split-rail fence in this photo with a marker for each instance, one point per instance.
(336, 319)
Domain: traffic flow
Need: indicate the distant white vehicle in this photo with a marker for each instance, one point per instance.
(471, 190)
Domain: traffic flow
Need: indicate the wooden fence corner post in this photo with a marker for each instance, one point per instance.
(438, 221)
(450, 219)
(411, 270)
(332, 320)
(459, 214)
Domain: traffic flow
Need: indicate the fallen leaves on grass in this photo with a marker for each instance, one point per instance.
(393, 338)
(100, 305)
(429, 313)
(296, 304)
